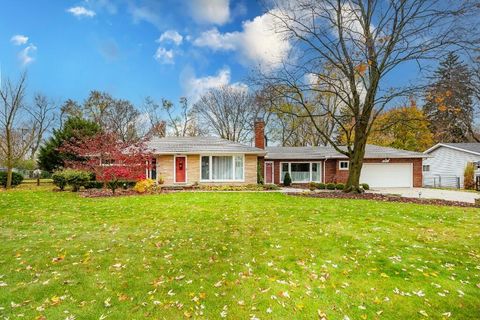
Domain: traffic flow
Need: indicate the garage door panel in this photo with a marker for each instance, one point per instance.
(387, 175)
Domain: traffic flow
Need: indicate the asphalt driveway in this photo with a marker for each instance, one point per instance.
(427, 193)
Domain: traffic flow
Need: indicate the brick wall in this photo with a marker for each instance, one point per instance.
(335, 175)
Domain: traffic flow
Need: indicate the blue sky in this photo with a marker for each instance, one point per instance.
(133, 48)
(138, 48)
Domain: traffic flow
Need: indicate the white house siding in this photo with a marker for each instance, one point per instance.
(448, 162)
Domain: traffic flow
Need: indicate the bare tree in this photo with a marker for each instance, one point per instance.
(157, 126)
(17, 133)
(183, 121)
(43, 114)
(228, 112)
(351, 46)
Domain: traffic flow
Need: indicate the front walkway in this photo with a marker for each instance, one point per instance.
(428, 193)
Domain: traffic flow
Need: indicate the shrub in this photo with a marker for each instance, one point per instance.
(145, 185)
(59, 179)
(340, 186)
(312, 186)
(320, 186)
(76, 178)
(469, 176)
(270, 186)
(287, 180)
(17, 178)
(365, 186)
(330, 186)
(93, 185)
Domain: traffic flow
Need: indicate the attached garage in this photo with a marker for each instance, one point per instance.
(387, 175)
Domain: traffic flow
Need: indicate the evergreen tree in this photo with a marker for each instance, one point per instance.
(49, 157)
(449, 106)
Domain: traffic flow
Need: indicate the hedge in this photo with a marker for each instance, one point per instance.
(17, 178)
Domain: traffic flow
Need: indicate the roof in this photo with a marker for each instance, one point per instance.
(328, 152)
(215, 145)
(473, 147)
(196, 145)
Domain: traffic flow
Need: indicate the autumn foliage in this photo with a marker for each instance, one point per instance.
(110, 159)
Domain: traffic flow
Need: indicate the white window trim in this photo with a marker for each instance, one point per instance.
(265, 171)
(175, 168)
(210, 167)
(423, 168)
(340, 165)
(319, 163)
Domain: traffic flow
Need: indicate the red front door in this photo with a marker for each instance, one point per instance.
(268, 172)
(180, 169)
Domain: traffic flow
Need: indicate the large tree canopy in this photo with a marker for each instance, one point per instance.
(347, 48)
(50, 157)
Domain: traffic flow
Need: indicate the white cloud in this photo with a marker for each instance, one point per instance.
(215, 40)
(164, 56)
(146, 14)
(194, 87)
(171, 35)
(25, 56)
(81, 12)
(257, 43)
(210, 11)
(19, 39)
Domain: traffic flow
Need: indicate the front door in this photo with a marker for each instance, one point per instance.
(180, 169)
(268, 172)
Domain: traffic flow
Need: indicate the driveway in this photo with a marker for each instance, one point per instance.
(427, 193)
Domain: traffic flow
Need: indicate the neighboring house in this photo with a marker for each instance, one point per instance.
(447, 161)
(210, 160)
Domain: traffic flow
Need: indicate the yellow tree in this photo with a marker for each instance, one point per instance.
(404, 128)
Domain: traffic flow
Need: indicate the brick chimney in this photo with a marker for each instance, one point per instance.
(259, 127)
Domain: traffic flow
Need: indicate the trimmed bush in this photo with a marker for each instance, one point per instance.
(145, 185)
(340, 186)
(17, 178)
(330, 186)
(270, 186)
(320, 186)
(76, 178)
(365, 186)
(59, 180)
(93, 185)
(287, 180)
(312, 186)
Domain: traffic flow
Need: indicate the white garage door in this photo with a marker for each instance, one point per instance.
(387, 175)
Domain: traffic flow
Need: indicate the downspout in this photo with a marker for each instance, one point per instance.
(324, 169)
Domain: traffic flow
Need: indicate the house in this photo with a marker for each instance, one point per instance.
(211, 160)
(447, 161)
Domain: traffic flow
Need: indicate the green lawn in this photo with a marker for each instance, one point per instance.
(238, 255)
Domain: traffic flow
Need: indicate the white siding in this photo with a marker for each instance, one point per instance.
(448, 162)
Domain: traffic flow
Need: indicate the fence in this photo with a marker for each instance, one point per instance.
(442, 181)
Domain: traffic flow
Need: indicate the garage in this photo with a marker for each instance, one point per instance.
(387, 175)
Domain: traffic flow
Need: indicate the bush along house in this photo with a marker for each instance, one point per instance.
(210, 160)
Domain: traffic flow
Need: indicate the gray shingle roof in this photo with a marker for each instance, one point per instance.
(472, 147)
(196, 145)
(321, 152)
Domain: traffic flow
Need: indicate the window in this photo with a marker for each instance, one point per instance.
(221, 168)
(426, 167)
(343, 165)
(301, 172)
(205, 168)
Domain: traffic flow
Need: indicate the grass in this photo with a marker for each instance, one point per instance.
(238, 255)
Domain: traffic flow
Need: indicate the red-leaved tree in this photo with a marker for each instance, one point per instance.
(110, 159)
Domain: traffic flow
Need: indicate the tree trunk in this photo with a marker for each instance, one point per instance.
(9, 176)
(356, 162)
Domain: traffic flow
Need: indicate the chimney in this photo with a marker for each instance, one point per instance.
(259, 128)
